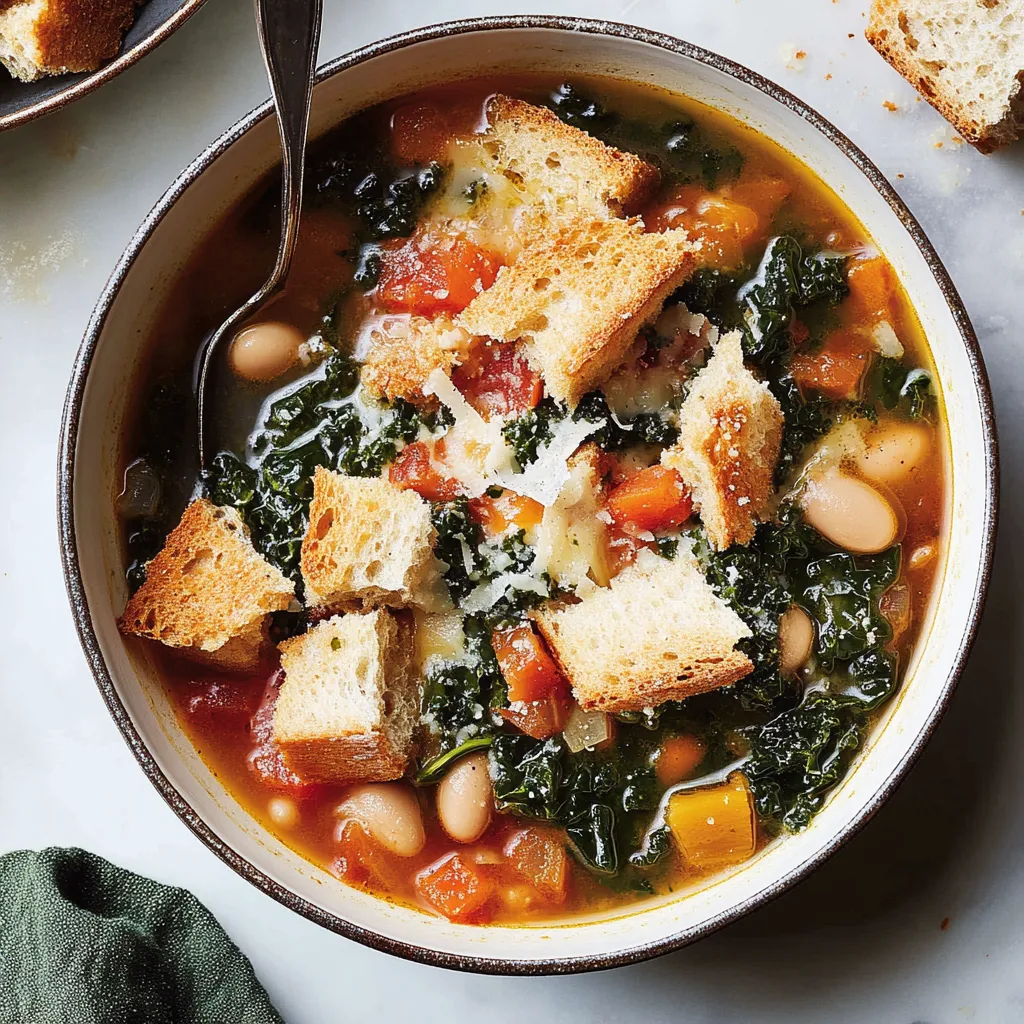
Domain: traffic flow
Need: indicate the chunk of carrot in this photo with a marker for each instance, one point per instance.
(429, 276)
(837, 369)
(416, 469)
(362, 861)
(872, 287)
(496, 515)
(724, 226)
(538, 854)
(457, 890)
(653, 499)
(497, 379)
(529, 671)
(763, 194)
(677, 757)
(714, 826)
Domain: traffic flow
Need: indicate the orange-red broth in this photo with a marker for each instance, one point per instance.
(521, 869)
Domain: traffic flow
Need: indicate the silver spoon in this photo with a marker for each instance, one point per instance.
(289, 32)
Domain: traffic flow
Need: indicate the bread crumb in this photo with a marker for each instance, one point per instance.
(890, 106)
(849, 35)
(828, 77)
(901, 175)
(792, 57)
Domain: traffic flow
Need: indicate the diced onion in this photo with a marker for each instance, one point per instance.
(586, 729)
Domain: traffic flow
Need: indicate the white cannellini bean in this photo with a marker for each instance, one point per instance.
(265, 351)
(283, 812)
(892, 452)
(465, 800)
(851, 513)
(796, 635)
(391, 814)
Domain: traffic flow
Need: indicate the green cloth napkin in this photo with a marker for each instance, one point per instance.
(83, 941)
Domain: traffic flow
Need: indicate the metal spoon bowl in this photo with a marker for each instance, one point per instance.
(289, 33)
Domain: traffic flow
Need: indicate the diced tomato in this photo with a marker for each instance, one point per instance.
(677, 757)
(224, 700)
(266, 758)
(420, 132)
(538, 854)
(653, 499)
(497, 380)
(528, 669)
(361, 861)
(496, 515)
(837, 369)
(872, 286)
(459, 890)
(428, 275)
(539, 718)
(415, 469)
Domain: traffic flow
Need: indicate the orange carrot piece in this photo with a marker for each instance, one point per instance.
(457, 889)
(528, 669)
(538, 854)
(495, 515)
(653, 499)
(677, 758)
(837, 369)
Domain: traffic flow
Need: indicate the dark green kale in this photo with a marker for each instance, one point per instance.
(667, 547)
(390, 209)
(616, 434)
(313, 425)
(458, 538)
(894, 387)
(475, 190)
(682, 150)
(657, 845)
(526, 433)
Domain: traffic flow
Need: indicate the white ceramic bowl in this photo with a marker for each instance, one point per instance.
(107, 369)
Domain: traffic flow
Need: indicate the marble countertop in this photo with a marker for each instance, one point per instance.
(919, 919)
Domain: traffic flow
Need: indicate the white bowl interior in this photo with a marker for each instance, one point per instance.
(113, 372)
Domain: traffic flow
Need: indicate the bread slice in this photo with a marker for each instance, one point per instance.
(658, 633)
(369, 543)
(52, 37)
(349, 702)
(730, 431)
(208, 592)
(578, 300)
(966, 57)
(405, 351)
(561, 171)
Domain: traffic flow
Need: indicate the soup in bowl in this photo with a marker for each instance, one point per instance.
(579, 517)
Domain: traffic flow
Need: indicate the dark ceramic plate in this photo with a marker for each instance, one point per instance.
(24, 101)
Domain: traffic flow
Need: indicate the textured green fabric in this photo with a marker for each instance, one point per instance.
(83, 941)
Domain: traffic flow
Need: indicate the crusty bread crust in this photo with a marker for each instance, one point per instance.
(208, 592)
(579, 299)
(730, 433)
(927, 41)
(63, 35)
(404, 353)
(369, 543)
(349, 700)
(658, 633)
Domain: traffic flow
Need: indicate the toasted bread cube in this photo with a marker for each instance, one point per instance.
(965, 59)
(657, 633)
(406, 351)
(53, 37)
(561, 171)
(349, 701)
(578, 300)
(369, 543)
(208, 592)
(730, 432)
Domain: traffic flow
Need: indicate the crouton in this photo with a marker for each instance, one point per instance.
(578, 300)
(53, 37)
(965, 58)
(657, 633)
(369, 543)
(561, 171)
(349, 701)
(405, 351)
(208, 592)
(730, 431)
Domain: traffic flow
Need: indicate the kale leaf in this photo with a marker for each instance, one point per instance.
(895, 387)
(526, 433)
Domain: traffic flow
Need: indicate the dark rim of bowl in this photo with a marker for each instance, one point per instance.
(103, 74)
(80, 608)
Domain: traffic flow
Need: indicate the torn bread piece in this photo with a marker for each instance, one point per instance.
(53, 37)
(966, 57)
(208, 592)
(369, 542)
(349, 702)
(578, 300)
(405, 351)
(730, 431)
(657, 633)
(558, 170)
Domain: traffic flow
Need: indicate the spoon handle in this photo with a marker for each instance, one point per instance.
(289, 32)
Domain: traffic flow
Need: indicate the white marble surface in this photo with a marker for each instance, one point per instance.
(861, 940)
